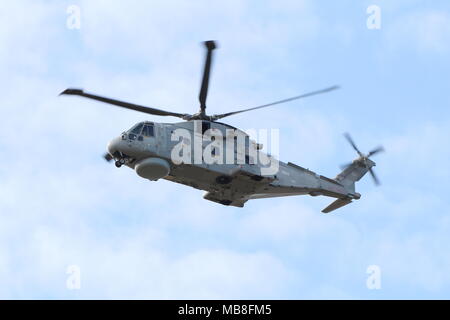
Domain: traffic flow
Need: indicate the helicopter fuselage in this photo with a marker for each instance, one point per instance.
(189, 153)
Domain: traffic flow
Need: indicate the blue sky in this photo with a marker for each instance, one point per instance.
(62, 205)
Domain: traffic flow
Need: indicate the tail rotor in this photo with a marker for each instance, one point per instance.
(363, 159)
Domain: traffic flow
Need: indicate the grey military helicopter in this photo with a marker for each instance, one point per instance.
(148, 148)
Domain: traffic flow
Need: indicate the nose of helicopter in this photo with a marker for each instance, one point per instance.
(114, 145)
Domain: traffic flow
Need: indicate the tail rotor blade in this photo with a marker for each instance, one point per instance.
(375, 151)
(350, 140)
(375, 179)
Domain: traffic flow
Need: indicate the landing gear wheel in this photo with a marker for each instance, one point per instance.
(118, 164)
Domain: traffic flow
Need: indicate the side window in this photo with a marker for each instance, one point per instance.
(148, 131)
(151, 131)
(145, 131)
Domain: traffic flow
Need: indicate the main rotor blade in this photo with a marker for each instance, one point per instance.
(210, 46)
(375, 179)
(220, 116)
(350, 140)
(131, 106)
(375, 151)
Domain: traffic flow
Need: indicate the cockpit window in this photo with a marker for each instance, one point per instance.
(148, 130)
(137, 129)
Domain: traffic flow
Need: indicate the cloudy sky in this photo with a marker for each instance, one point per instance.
(61, 205)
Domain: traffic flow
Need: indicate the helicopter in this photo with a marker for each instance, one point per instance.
(192, 153)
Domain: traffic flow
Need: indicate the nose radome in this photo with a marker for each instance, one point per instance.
(113, 145)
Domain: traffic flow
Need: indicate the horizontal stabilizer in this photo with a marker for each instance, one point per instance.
(336, 205)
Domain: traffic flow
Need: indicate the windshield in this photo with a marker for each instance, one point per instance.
(145, 129)
(137, 129)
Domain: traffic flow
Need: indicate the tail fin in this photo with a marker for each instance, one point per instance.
(354, 172)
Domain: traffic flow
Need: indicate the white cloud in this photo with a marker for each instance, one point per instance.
(136, 267)
(416, 152)
(419, 261)
(425, 31)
